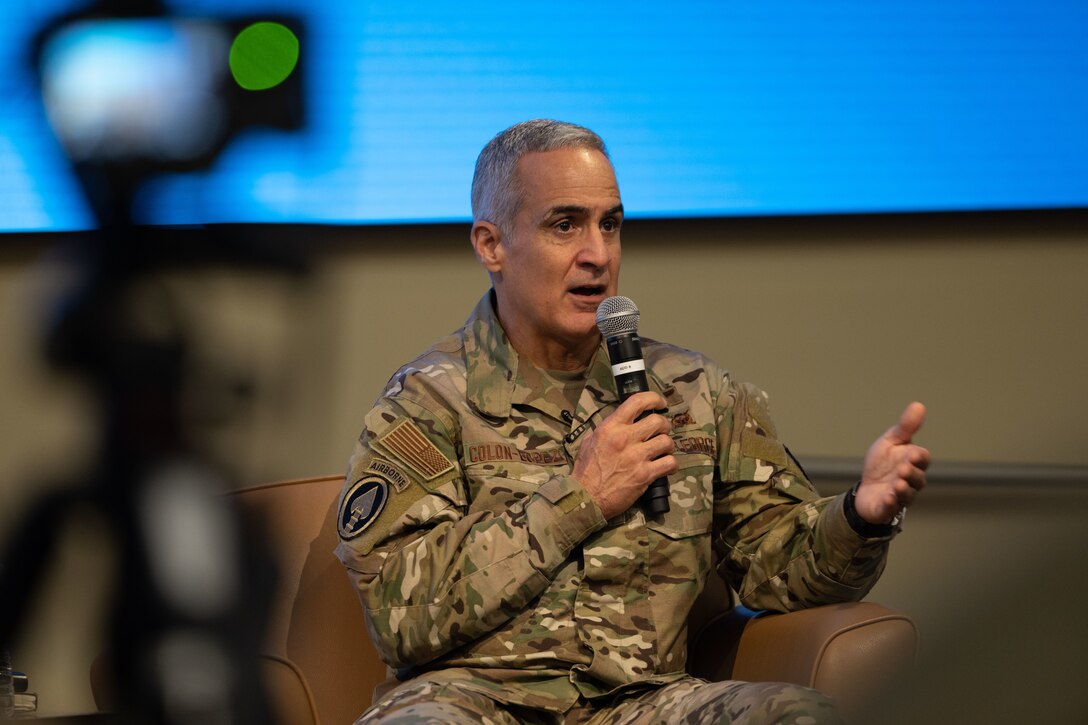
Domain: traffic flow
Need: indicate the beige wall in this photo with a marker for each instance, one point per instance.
(842, 320)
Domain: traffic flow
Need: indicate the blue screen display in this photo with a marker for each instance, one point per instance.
(708, 108)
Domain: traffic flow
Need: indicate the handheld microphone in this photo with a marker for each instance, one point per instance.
(617, 319)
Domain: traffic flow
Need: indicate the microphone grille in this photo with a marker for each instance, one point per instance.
(617, 316)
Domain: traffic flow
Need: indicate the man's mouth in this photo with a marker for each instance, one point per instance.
(589, 290)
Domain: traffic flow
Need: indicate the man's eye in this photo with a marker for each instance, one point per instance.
(610, 225)
(565, 225)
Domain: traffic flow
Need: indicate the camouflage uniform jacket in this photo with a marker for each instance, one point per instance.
(477, 557)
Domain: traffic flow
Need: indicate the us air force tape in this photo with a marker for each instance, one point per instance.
(361, 505)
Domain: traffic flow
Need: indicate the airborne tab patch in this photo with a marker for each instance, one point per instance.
(407, 442)
(391, 473)
(361, 506)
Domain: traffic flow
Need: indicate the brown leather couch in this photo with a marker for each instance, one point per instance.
(321, 669)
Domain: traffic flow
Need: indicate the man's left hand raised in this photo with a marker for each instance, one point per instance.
(894, 471)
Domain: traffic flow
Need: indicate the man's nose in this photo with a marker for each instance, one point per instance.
(594, 251)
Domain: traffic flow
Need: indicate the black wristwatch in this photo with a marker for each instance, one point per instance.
(860, 525)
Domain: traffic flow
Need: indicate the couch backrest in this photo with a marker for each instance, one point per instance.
(318, 652)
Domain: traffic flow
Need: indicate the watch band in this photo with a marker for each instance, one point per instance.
(863, 527)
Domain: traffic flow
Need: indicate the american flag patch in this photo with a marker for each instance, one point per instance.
(408, 443)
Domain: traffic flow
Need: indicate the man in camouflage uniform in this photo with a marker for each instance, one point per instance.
(489, 518)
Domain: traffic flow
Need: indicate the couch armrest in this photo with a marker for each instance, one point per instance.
(288, 692)
(854, 652)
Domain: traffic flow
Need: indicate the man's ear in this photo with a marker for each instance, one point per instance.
(486, 238)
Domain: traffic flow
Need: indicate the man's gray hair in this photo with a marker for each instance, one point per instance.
(496, 192)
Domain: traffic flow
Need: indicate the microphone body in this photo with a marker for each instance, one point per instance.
(617, 319)
(628, 367)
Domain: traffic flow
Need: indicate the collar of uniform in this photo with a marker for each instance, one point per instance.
(491, 362)
(492, 367)
(656, 384)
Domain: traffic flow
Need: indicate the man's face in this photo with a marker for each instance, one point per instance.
(559, 257)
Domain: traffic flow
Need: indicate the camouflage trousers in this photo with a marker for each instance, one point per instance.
(690, 700)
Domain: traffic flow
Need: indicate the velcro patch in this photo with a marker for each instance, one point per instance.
(407, 442)
(361, 505)
(760, 446)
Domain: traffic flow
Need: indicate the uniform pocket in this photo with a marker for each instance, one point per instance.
(496, 484)
(691, 500)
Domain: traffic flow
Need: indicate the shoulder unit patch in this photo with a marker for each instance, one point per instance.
(361, 506)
